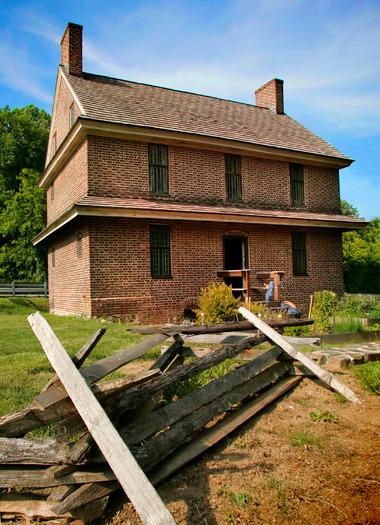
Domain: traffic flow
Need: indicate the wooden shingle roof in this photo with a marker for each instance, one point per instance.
(117, 101)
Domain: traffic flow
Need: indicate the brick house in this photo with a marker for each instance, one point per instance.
(153, 192)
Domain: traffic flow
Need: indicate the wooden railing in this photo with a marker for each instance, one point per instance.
(23, 289)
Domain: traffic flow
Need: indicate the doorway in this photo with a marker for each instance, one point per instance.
(235, 258)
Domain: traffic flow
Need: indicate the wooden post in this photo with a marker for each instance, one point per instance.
(136, 485)
(277, 339)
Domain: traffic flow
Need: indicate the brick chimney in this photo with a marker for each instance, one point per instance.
(71, 49)
(271, 96)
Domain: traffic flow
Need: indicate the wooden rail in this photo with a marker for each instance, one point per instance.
(23, 289)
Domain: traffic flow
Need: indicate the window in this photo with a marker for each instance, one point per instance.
(299, 253)
(158, 169)
(53, 256)
(297, 194)
(52, 191)
(160, 251)
(233, 177)
(71, 115)
(79, 246)
(54, 143)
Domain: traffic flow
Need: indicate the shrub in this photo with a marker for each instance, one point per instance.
(325, 303)
(358, 306)
(217, 304)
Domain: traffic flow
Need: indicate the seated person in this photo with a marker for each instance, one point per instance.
(290, 309)
(270, 291)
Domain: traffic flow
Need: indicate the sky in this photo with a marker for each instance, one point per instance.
(326, 51)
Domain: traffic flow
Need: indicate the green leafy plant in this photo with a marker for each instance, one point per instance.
(323, 415)
(325, 303)
(241, 498)
(217, 304)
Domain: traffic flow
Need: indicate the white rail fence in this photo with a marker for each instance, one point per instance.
(23, 289)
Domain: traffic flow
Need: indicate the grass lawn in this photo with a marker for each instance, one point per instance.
(24, 368)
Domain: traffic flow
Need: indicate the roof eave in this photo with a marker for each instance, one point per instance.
(345, 224)
(85, 126)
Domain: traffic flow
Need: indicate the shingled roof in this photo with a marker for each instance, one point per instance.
(124, 102)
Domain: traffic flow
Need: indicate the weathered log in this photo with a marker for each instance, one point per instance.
(32, 451)
(210, 436)
(91, 511)
(29, 477)
(158, 448)
(135, 396)
(80, 357)
(21, 422)
(136, 485)
(102, 368)
(28, 505)
(296, 354)
(166, 416)
(85, 494)
(210, 328)
(74, 425)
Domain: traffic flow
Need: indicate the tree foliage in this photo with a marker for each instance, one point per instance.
(23, 142)
(361, 256)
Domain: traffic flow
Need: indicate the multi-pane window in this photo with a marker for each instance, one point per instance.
(299, 253)
(158, 169)
(79, 246)
(297, 192)
(233, 177)
(71, 115)
(160, 251)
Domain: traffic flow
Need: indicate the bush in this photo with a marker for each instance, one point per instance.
(358, 306)
(325, 303)
(217, 304)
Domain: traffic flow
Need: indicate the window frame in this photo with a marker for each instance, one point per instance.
(234, 185)
(299, 253)
(160, 251)
(71, 115)
(297, 185)
(158, 160)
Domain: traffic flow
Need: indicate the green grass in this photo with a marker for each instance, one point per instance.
(24, 368)
(303, 438)
(369, 376)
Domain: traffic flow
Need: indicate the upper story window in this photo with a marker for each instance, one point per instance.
(52, 191)
(54, 142)
(160, 251)
(233, 177)
(297, 193)
(158, 169)
(71, 115)
(299, 253)
(79, 247)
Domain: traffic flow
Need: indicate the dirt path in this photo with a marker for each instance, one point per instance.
(284, 468)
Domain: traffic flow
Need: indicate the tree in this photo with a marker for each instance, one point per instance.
(361, 255)
(348, 209)
(23, 141)
(24, 134)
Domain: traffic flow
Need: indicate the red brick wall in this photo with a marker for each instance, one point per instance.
(119, 271)
(60, 125)
(70, 185)
(69, 277)
(119, 168)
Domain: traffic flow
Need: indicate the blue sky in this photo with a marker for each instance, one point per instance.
(326, 51)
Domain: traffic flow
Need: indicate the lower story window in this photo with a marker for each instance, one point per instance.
(299, 253)
(160, 251)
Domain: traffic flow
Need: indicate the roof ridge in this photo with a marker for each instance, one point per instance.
(120, 81)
